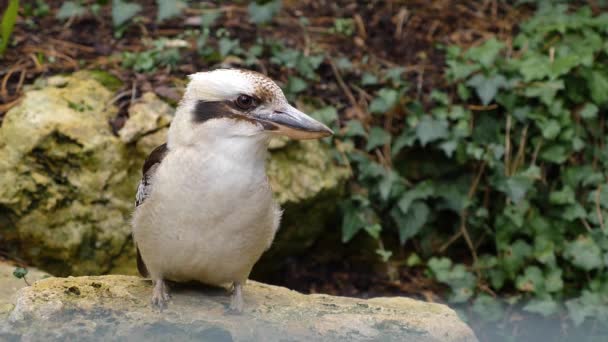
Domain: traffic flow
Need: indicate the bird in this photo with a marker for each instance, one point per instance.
(204, 208)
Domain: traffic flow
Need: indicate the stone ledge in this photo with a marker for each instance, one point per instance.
(117, 308)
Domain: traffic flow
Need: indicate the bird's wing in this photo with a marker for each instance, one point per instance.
(145, 188)
(150, 165)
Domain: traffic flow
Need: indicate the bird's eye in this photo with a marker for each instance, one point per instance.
(245, 102)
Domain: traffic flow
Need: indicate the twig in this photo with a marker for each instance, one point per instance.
(463, 231)
(520, 156)
(508, 146)
(598, 209)
(586, 224)
(347, 92)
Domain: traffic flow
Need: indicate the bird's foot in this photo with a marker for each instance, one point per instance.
(236, 300)
(160, 295)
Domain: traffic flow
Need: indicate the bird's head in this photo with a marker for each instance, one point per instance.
(228, 98)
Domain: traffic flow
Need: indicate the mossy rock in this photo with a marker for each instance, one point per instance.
(118, 308)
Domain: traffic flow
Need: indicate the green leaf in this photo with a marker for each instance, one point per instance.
(70, 9)
(546, 91)
(327, 115)
(209, 18)
(8, 23)
(515, 256)
(227, 45)
(123, 11)
(377, 137)
(263, 13)
(488, 308)
(598, 85)
(549, 128)
(555, 154)
(487, 87)
(422, 190)
(517, 186)
(385, 101)
(545, 306)
(486, 53)
(584, 253)
(531, 281)
(19, 272)
(295, 84)
(354, 128)
(563, 196)
(430, 129)
(589, 111)
(369, 79)
(411, 222)
(169, 9)
(352, 221)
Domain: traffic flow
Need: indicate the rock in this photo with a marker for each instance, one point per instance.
(67, 182)
(118, 308)
(9, 284)
(146, 115)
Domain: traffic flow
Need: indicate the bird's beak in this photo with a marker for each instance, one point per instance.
(294, 124)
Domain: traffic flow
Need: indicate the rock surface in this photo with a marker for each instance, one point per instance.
(117, 308)
(9, 284)
(67, 182)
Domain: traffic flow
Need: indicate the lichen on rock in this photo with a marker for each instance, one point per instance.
(118, 308)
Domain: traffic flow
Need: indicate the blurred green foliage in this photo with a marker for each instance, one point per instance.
(511, 159)
(7, 24)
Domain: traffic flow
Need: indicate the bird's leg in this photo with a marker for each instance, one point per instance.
(160, 296)
(236, 300)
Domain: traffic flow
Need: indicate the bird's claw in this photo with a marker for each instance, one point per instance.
(160, 296)
(236, 300)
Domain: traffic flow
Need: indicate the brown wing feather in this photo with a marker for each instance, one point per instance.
(141, 266)
(150, 166)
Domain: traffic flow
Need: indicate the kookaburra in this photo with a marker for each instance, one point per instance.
(204, 207)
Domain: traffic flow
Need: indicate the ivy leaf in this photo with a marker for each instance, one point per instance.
(385, 101)
(589, 111)
(531, 281)
(70, 9)
(563, 196)
(556, 154)
(226, 45)
(549, 128)
(377, 137)
(411, 222)
(430, 129)
(584, 253)
(488, 308)
(327, 115)
(486, 53)
(169, 9)
(123, 11)
(263, 13)
(487, 87)
(587, 305)
(545, 306)
(598, 85)
(422, 190)
(352, 221)
(295, 84)
(354, 128)
(515, 256)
